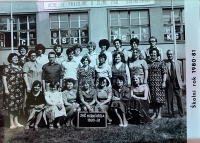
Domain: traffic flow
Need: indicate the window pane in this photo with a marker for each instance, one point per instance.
(144, 21)
(32, 26)
(144, 34)
(64, 33)
(83, 24)
(65, 40)
(83, 16)
(124, 18)
(74, 40)
(23, 35)
(74, 33)
(32, 35)
(54, 37)
(64, 17)
(74, 24)
(125, 37)
(177, 16)
(54, 25)
(144, 14)
(23, 26)
(114, 23)
(135, 21)
(3, 26)
(54, 18)
(3, 19)
(23, 19)
(114, 34)
(74, 17)
(166, 16)
(33, 42)
(32, 19)
(64, 25)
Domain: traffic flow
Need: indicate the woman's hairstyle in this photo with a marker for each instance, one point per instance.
(120, 41)
(40, 47)
(77, 46)
(102, 55)
(152, 37)
(70, 50)
(91, 44)
(51, 53)
(55, 46)
(83, 82)
(31, 52)
(134, 40)
(139, 51)
(54, 84)
(69, 80)
(102, 79)
(23, 47)
(10, 56)
(121, 55)
(135, 76)
(120, 77)
(84, 58)
(35, 83)
(104, 42)
(154, 49)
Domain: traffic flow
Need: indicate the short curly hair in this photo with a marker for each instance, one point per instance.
(70, 50)
(40, 47)
(102, 55)
(85, 57)
(134, 40)
(121, 55)
(69, 80)
(139, 51)
(120, 41)
(23, 47)
(104, 42)
(55, 46)
(77, 46)
(31, 52)
(154, 49)
(153, 37)
(102, 79)
(120, 77)
(10, 56)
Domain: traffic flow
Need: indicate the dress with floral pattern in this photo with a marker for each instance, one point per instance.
(14, 77)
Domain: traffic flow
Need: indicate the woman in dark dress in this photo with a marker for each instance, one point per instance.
(119, 100)
(13, 84)
(35, 104)
(139, 104)
(157, 72)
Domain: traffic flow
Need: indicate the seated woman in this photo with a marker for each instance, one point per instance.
(70, 101)
(55, 107)
(103, 98)
(119, 100)
(87, 96)
(139, 105)
(35, 104)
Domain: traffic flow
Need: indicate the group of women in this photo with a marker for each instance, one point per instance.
(123, 89)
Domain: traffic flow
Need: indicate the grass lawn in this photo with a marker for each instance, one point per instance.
(169, 130)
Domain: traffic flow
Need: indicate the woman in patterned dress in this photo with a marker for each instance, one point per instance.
(86, 72)
(138, 65)
(120, 68)
(70, 101)
(55, 109)
(156, 80)
(139, 104)
(32, 71)
(13, 84)
(103, 98)
(87, 96)
(35, 104)
(120, 97)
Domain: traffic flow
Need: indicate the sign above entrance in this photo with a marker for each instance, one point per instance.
(94, 3)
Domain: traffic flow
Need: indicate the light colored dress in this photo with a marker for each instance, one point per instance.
(52, 110)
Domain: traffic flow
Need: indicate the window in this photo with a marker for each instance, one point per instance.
(129, 24)
(24, 30)
(69, 29)
(168, 24)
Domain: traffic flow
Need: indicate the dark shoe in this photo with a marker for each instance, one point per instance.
(181, 115)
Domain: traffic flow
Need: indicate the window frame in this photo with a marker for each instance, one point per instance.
(69, 29)
(130, 26)
(17, 31)
(170, 25)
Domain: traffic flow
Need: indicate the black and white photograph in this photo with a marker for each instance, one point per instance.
(113, 71)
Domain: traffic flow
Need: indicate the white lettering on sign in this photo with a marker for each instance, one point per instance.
(94, 3)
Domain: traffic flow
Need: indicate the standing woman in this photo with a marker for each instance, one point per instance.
(23, 58)
(138, 66)
(13, 84)
(32, 71)
(86, 72)
(103, 98)
(119, 68)
(103, 69)
(35, 104)
(156, 80)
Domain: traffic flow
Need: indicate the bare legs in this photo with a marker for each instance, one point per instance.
(122, 121)
(157, 112)
(14, 122)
